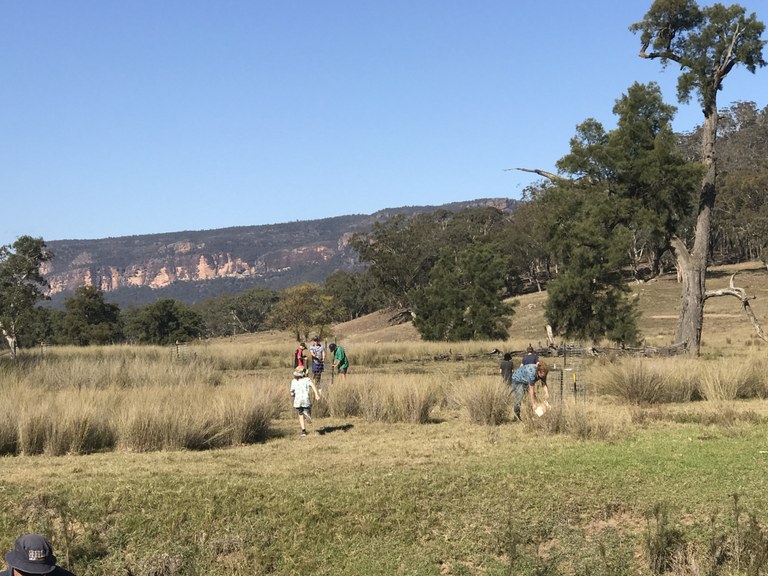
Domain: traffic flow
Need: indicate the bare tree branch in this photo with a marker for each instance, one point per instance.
(741, 294)
(543, 173)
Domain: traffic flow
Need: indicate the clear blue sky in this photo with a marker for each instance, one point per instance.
(138, 117)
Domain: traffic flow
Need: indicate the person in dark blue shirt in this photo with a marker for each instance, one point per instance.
(530, 356)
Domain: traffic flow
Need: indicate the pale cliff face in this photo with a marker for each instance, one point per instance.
(273, 255)
(184, 265)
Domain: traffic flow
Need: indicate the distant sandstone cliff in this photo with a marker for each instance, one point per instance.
(275, 256)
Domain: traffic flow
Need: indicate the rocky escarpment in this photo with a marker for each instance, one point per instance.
(274, 256)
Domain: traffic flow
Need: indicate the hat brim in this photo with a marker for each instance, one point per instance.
(21, 563)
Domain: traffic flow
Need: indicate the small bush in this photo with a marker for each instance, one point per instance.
(662, 541)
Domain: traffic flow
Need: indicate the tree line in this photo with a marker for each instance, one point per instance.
(624, 204)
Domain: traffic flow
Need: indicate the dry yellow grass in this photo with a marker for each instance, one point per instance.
(373, 489)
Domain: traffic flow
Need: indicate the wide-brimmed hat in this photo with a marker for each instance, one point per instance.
(299, 372)
(32, 554)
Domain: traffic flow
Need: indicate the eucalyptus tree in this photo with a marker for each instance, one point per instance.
(243, 312)
(304, 308)
(400, 252)
(355, 293)
(740, 222)
(21, 284)
(706, 44)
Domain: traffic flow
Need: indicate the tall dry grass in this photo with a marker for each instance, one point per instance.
(123, 399)
(582, 420)
(384, 398)
(483, 400)
(250, 355)
(681, 379)
(75, 401)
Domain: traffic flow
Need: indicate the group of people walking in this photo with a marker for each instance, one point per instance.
(302, 384)
(524, 377)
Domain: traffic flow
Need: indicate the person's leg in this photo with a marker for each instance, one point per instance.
(301, 422)
(518, 390)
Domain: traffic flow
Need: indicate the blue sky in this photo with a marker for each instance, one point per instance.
(137, 117)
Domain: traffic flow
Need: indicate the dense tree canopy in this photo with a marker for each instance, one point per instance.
(622, 196)
(355, 293)
(452, 270)
(166, 321)
(88, 319)
(243, 312)
(463, 300)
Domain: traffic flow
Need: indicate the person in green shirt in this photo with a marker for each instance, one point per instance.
(340, 361)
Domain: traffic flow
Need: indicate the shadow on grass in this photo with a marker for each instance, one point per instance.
(329, 429)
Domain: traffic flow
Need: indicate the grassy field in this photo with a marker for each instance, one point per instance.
(659, 467)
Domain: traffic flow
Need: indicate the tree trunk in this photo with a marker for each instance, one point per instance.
(693, 265)
(10, 338)
(691, 320)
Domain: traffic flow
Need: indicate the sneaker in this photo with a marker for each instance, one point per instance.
(303, 433)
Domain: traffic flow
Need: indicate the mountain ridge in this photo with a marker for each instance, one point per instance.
(194, 265)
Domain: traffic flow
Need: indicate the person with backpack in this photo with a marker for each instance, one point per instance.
(530, 356)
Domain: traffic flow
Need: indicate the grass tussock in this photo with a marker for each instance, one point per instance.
(681, 379)
(394, 399)
(56, 406)
(139, 400)
(580, 420)
(483, 400)
(382, 398)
